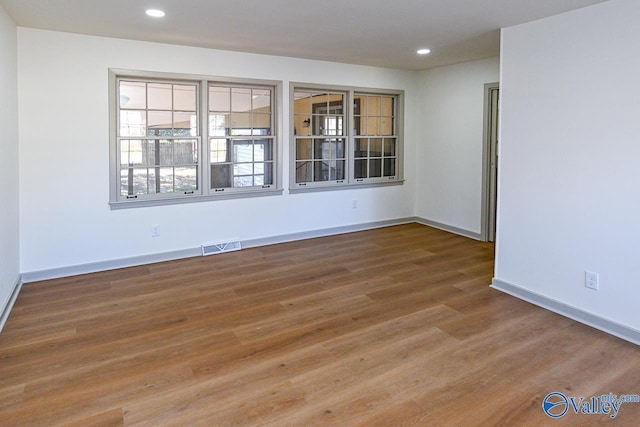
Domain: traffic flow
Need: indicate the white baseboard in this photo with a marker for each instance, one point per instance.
(283, 238)
(94, 267)
(450, 228)
(579, 315)
(6, 310)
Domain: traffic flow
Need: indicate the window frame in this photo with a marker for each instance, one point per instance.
(349, 180)
(204, 192)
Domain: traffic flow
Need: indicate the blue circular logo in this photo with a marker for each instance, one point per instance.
(555, 404)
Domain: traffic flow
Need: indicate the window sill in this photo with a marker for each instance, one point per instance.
(316, 188)
(244, 194)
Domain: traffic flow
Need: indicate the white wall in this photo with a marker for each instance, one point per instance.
(9, 213)
(570, 159)
(64, 167)
(449, 169)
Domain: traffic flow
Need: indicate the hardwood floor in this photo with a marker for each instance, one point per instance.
(389, 327)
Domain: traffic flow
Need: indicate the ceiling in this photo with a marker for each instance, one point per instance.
(368, 32)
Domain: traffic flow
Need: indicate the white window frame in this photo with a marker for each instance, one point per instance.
(349, 181)
(204, 191)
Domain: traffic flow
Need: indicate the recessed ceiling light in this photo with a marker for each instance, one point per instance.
(156, 13)
(423, 51)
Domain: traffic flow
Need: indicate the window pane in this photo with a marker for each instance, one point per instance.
(124, 152)
(267, 178)
(219, 99)
(240, 99)
(321, 149)
(263, 150)
(219, 151)
(360, 168)
(124, 182)
(261, 124)
(360, 105)
(186, 179)
(133, 123)
(302, 125)
(184, 97)
(258, 168)
(185, 152)
(339, 148)
(152, 148)
(241, 132)
(139, 183)
(373, 126)
(317, 125)
(336, 103)
(166, 180)
(303, 149)
(373, 106)
(185, 124)
(360, 125)
(361, 147)
(303, 171)
(151, 179)
(375, 168)
(375, 147)
(166, 152)
(319, 102)
(242, 151)
(159, 96)
(160, 123)
(389, 147)
(243, 181)
(321, 171)
(218, 124)
(340, 169)
(390, 166)
(302, 103)
(386, 126)
(387, 106)
(333, 125)
(220, 176)
(333, 175)
(240, 122)
(261, 100)
(132, 153)
(335, 148)
(240, 169)
(133, 95)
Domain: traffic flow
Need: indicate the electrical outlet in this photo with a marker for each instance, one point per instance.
(155, 231)
(591, 280)
(354, 204)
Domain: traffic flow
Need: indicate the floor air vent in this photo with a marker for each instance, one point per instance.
(218, 248)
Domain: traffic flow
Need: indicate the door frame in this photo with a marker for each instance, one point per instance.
(489, 179)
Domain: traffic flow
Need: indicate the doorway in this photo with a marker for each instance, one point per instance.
(490, 161)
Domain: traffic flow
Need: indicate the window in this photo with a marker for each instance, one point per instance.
(375, 152)
(319, 119)
(161, 126)
(241, 144)
(158, 138)
(345, 137)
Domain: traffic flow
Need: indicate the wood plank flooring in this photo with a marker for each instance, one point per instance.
(389, 327)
